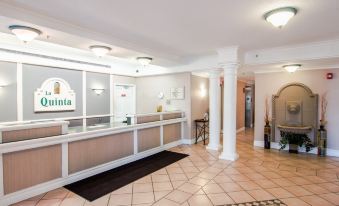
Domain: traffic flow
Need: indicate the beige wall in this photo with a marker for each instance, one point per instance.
(269, 84)
(199, 103)
(149, 87)
(240, 105)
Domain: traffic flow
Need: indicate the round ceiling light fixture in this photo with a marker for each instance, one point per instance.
(280, 17)
(100, 50)
(292, 67)
(144, 61)
(24, 33)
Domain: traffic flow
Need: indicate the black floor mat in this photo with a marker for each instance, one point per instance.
(104, 183)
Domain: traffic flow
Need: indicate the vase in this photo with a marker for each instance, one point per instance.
(322, 140)
(293, 148)
(267, 136)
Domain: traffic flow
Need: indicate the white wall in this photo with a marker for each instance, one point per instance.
(117, 79)
(148, 89)
(269, 84)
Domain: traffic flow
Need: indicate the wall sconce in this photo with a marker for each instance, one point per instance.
(98, 91)
(161, 95)
(203, 90)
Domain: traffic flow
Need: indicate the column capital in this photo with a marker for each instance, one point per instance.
(230, 68)
(214, 73)
(228, 56)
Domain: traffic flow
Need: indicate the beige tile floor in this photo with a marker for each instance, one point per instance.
(203, 179)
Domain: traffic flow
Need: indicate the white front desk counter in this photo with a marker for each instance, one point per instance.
(29, 167)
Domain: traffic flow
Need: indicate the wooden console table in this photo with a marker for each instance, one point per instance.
(201, 129)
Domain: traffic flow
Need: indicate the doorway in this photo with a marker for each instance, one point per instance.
(124, 101)
(249, 106)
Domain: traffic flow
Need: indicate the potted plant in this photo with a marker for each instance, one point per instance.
(322, 133)
(295, 140)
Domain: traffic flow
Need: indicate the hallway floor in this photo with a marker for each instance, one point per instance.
(203, 179)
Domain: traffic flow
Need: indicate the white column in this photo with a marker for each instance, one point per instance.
(214, 110)
(228, 60)
(19, 93)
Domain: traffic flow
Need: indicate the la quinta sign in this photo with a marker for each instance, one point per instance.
(55, 94)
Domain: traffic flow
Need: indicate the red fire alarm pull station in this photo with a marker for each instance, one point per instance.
(329, 76)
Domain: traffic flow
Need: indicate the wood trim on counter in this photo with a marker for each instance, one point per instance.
(93, 152)
(172, 116)
(42, 142)
(26, 134)
(27, 168)
(148, 139)
(145, 119)
(172, 133)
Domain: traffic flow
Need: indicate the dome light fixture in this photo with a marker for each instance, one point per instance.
(292, 67)
(100, 50)
(144, 61)
(24, 33)
(279, 17)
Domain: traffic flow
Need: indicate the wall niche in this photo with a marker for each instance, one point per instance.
(296, 106)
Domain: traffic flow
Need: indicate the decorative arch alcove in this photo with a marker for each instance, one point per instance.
(295, 105)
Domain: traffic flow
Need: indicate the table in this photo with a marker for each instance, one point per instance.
(201, 129)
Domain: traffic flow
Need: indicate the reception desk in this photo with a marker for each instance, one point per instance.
(31, 166)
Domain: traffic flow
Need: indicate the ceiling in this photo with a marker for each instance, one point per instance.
(192, 27)
(173, 31)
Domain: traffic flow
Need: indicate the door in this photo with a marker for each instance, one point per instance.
(124, 101)
(248, 107)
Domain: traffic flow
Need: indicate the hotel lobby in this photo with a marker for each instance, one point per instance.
(193, 103)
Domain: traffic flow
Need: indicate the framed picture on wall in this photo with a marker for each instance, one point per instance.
(178, 93)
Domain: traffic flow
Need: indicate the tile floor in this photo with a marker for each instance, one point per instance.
(203, 179)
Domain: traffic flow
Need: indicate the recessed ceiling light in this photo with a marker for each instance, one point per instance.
(292, 67)
(144, 61)
(100, 50)
(280, 17)
(24, 33)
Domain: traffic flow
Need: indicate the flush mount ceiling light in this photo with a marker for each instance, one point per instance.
(292, 67)
(24, 33)
(280, 17)
(100, 50)
(144, 61)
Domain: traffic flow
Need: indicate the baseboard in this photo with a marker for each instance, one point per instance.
(241, 129)
(258, 143)
(56, 183)
(192, 141)
(275, 145)
(188, 141)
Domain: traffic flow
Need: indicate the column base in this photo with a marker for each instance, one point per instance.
(226, 156)
(214, 147)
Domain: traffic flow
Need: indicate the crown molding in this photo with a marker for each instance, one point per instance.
(294, 53)
(300, 70)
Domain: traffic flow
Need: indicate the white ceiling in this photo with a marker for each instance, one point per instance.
(192, 27)
(174, 31)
